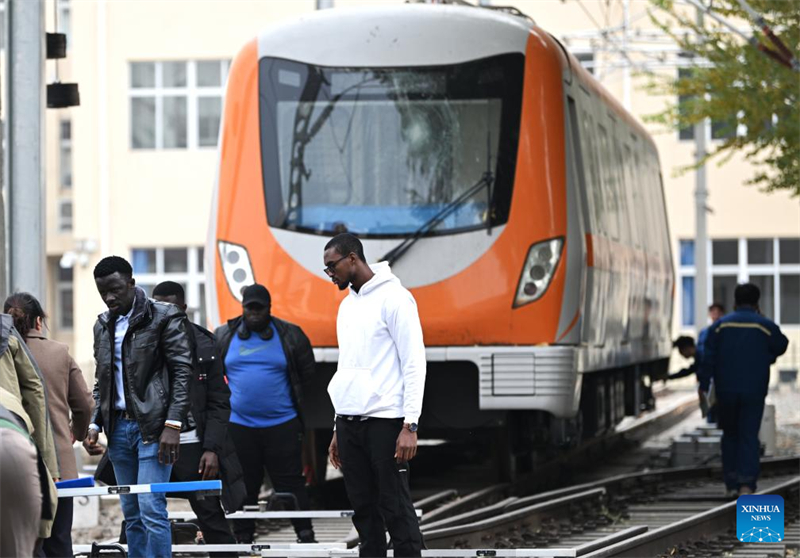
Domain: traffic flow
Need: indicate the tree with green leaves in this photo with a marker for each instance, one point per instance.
(742, 84)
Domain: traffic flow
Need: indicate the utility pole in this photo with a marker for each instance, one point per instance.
(25, 145)
(701, 232)
(626, 70)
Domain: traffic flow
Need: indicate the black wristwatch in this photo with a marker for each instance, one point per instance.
(411, 427)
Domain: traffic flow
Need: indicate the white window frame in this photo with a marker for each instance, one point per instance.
(743, 271)
(64, 223)
(64, 145)
(193, 278)
(191, 91)
(65, 14)
(61, 288)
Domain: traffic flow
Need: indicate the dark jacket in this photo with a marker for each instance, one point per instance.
(739, 350)
(211, 410)
(300, 361)
(156, 366)
(209, 413)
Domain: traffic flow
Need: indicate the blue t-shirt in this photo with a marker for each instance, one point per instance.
(259, 382)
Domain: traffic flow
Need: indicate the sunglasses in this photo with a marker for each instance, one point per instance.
(330, 269)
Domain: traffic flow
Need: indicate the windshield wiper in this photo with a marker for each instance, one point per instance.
(397, 252)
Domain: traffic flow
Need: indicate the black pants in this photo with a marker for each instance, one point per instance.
(378, 486)
(59, 544)
(279, 450)
(740, 420)
(209, 512)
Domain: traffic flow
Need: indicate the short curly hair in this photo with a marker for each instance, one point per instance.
(346, 244)
(113, 264)
(170, 288)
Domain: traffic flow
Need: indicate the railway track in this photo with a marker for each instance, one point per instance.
(647, 514)
(488, 500)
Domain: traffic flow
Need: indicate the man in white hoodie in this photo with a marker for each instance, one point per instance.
(377, 395)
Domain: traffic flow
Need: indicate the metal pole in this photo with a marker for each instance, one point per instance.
(25, 142)
(701, 232)
(626, 71)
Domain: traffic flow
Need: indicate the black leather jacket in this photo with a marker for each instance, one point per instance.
(296, 346)
(157, 366)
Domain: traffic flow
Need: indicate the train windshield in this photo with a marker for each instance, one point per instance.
(380, 152)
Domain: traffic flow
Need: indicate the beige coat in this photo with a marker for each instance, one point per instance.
(66, 391)
(18, 376)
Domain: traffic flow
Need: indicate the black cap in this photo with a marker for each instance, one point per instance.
(256, 294)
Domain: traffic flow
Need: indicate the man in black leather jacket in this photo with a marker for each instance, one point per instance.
(143, 359)
(267, 361)
(207, 451)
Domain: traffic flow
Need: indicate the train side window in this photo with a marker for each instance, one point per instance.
(625, 218)
(634, 199)
(611, 213)
(589, 152)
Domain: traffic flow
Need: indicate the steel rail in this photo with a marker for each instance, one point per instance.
(701, 525)
(471, 534)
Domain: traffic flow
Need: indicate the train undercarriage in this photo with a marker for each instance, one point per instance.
(516, 440)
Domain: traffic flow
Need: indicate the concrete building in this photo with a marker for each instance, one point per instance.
(130, 171)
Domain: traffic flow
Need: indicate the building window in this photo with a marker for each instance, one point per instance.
(65, 154)
(65, 215)
(2, 24)
(790, 299)
(722, 287)
(789, 249)
(587, 60)
(687, 252)
(687, 301)
(720, 129)
(65, 19)
(182, 265)
(760, 251)
(64, 298)
(177, 104)
(769, 263)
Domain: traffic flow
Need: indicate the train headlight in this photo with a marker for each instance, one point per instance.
(236, 267)
(540, 266)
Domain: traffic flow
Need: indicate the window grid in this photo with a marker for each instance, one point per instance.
(193, 279)
(191, 92)
(65, 215)
(65, 153)
(64, 299)
(743, 272)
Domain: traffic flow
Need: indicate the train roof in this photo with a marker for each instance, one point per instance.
(413, 35)
(396, 36)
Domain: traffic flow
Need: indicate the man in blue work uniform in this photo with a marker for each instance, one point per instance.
(739, 350)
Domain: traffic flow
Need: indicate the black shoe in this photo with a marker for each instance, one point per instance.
(244, 539)
(306, 536)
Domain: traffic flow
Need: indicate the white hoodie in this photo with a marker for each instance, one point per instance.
(381, 369)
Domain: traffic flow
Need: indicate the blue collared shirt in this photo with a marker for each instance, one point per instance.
(120, 329)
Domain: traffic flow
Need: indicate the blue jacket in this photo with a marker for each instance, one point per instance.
(739, 350)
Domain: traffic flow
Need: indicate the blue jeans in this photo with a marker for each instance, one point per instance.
(740, 420)
(147, 525)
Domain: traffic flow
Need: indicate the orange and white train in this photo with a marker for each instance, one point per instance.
(516, 199)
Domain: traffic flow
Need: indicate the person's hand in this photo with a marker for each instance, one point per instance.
(209, 465)
(169, 446)
(333, 453)
(90, 443)
(406, 447)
